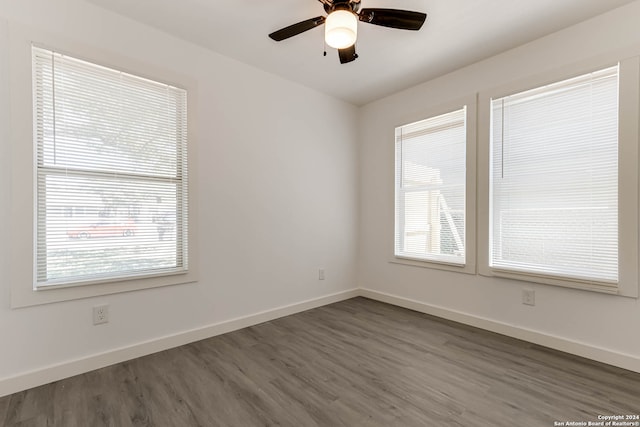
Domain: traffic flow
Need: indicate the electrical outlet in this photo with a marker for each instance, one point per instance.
(528, 297)
(100, 314)
(321, 274)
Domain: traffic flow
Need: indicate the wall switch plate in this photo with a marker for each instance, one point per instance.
(528, 297)
(321, 274)
(100, 314)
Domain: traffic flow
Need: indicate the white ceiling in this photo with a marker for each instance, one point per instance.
(456, 33)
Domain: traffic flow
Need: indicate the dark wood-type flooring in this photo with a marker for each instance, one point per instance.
(353, 363)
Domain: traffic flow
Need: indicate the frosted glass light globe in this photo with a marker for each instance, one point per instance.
(341, 29)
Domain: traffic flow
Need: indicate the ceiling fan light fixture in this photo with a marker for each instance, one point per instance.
(341, 29)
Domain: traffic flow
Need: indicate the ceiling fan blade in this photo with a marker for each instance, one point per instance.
(348, 54)
(295, 29)
(393, 18)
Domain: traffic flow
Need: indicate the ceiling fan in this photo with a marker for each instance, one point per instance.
(341, 29)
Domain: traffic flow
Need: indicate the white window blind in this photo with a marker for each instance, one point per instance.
(430, 189)
(111, 173)
(554, 180)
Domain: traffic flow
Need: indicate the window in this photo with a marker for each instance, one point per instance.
(431, 189)
(554, 179)
(559, 211)
(111, 181)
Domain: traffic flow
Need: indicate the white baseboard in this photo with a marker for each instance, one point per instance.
(609, 357)
(78, 366)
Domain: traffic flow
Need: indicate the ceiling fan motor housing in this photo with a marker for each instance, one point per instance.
(332, 5)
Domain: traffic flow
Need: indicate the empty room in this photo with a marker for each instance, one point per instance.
(319, 213)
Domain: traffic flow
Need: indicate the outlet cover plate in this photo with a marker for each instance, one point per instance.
(100, 314)
(528, 297)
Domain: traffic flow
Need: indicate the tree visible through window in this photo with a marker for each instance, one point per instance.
(111, 173)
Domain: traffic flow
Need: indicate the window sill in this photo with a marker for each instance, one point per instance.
(436, 265)
(23, 296)
(584, 285)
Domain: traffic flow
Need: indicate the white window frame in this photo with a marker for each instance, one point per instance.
(23, 210)
(628, 186)
(42, 59)
(469, 267)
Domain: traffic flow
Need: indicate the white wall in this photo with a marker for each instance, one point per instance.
(595, 325)
(279, 197)
(276, 190)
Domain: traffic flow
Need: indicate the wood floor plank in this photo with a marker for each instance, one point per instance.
(4, 406)
(353, 363)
